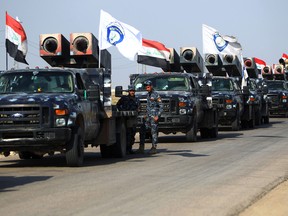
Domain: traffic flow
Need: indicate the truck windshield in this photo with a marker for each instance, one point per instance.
(164, 83)
(36, 82)
(277, 85)
(222, 85)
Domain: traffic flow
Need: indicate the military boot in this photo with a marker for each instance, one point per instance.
(140, 150)
(153, 150)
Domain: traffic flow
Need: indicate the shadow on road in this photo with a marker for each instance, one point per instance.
(11, 181)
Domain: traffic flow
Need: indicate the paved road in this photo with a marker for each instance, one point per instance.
(209, 177)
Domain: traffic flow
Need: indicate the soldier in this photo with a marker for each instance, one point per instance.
(126, 103)
(151, 119)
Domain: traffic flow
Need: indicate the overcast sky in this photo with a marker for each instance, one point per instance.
(259, 25)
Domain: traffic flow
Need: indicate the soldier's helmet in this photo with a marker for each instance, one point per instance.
(131, 88)
(148, 83)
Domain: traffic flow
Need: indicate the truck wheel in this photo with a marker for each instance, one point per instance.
(75, 155)
(214, 132)
(106, 151)
(266, 119)
(191, 135)
(204, 132)
(24, 155)
(258, 118)
(236, 123)
(121, 142)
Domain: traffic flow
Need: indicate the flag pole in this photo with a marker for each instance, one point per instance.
(99, 64)
(6, 60)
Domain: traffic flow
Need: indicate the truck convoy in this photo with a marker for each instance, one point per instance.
(64, 108)
(186, 96)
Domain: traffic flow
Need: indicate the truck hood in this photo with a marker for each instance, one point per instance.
(217, 94)
(166, 94)
(275, 91)
(24, 98)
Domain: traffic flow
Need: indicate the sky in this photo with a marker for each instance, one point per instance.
(259, 26)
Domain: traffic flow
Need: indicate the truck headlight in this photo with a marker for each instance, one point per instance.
(229, 106)
(60, 122)
(182, 111)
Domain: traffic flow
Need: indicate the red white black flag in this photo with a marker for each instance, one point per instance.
(154, 54)
(259, 63)
(16, 40)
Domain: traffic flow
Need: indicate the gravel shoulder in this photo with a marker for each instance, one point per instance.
(273, 203)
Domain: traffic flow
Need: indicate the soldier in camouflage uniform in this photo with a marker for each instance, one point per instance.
(153, 113)
(126, 103)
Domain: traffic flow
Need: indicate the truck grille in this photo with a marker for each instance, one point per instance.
(169, 106)
(23, 115)
(274, 99)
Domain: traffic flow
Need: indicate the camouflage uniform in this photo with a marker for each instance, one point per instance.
(126, 103)
(154, 108)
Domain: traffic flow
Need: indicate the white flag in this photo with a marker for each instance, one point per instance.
(214, 42)
(112, 32)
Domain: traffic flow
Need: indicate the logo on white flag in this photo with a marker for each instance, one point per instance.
(115, 33)
(220, 43)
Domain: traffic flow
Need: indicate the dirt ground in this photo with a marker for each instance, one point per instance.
(273, 203)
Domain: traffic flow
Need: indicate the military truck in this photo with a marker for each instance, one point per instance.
(186, 97)
(277, 89)
(258, 91)
(62, 109)
(237, 111)
(228, 89)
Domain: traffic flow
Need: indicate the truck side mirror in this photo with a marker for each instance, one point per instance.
(118, 91)
(93, 92)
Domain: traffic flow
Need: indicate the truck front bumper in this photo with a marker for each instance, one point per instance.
(171, 123)
(227, 116)
(18, 139)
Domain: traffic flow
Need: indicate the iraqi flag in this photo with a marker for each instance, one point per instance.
(260, 64)
(154, 54)
(16, 40)
(284, 59)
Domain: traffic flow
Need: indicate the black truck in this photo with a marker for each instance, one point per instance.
(228, 90)
(61, 109)
(186, 96)
(277, 89)
(237, 111)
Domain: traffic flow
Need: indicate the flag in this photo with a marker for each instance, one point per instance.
(16, 40)
(214, 42)
(283, 60)
(112, 32)
(284, 56)
(259, 63)
(154, 54)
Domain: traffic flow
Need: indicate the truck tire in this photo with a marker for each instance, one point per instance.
(204, 133)
(258, 118)
(191, 135)
(214, 132)
(106, 151)
(24, 155)
(121, 140)
(266, 119)
(235, 126)
(75, 155)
